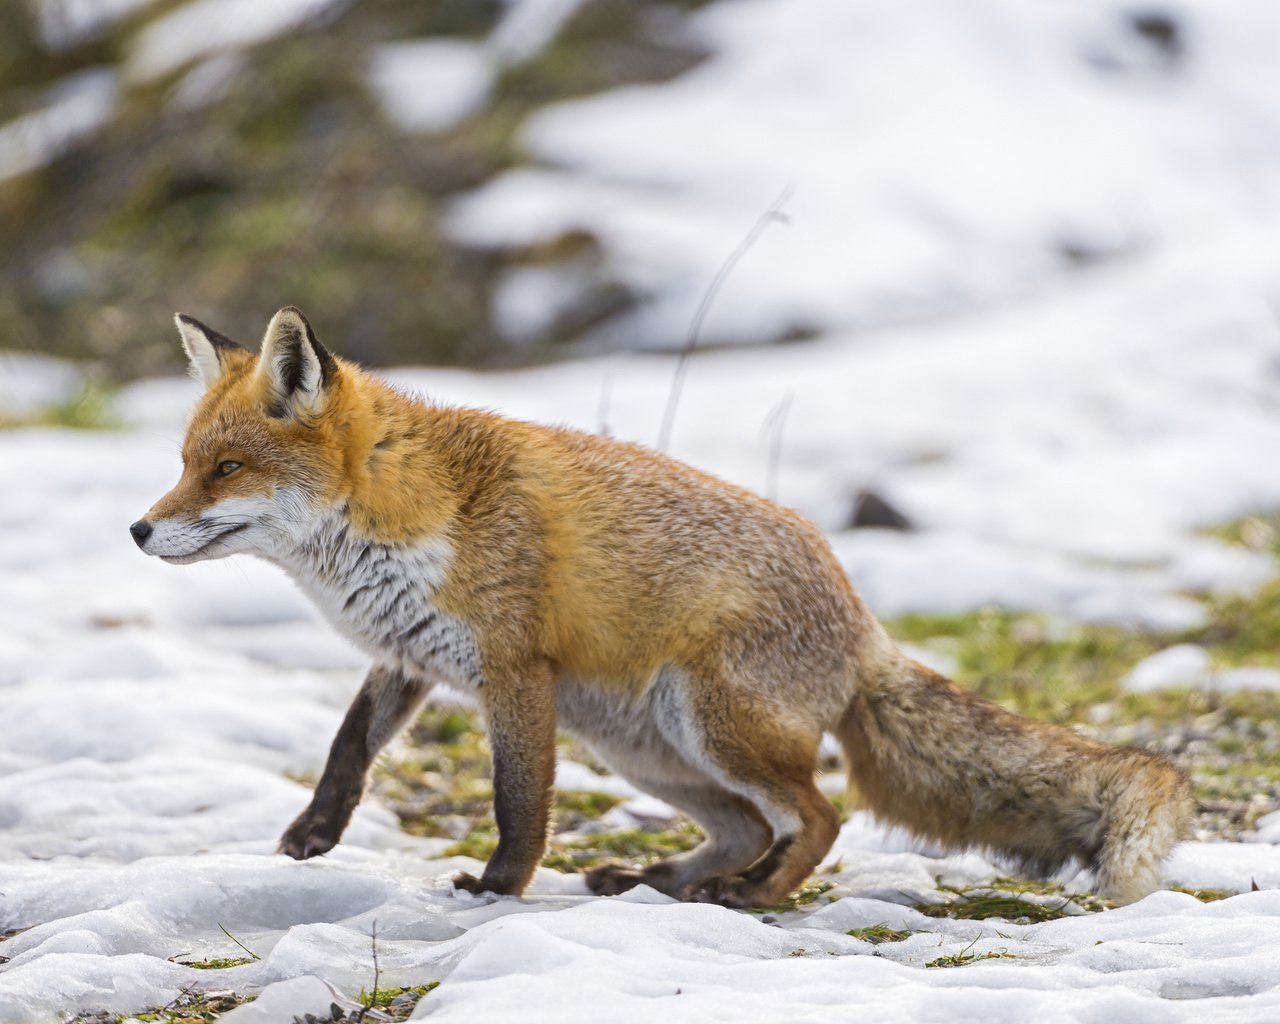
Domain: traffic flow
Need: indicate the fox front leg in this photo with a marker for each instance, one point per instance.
(383, 705)
(521, 716)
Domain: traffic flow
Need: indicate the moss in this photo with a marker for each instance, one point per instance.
(478, 843)
(980, 906)
(189, 1008)
(1257, 532)
(1205, 895)
(634, 846)
(1244, 628)
(1030, 663)
(217, 964)
(965, 958)
(878, 933)
(575, 809)
(804, 896)
(395, 1003)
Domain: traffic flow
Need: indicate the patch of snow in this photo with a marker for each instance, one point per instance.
(528, 301)
(64, 23)
(1189, 666)
(527, 27)
(284, 1001)
(1182, 665)
(1268, 828)
(571, 776)
(429, 85)
(1245, 677)
(203, 27)
(29, 382)
(73, 108)
(207, 82)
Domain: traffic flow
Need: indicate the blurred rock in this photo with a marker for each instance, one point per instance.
(873, 511)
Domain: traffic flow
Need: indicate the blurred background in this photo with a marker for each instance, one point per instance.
(498, 182)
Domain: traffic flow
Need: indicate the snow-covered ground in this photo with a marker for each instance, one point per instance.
(1100, 379)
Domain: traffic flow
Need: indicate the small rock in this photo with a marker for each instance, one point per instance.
(872, 511)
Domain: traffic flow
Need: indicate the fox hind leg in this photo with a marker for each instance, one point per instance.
(765, 761)
(736, 835)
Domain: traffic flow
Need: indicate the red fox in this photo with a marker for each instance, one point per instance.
(698, 637)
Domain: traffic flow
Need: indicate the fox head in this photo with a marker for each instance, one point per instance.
(265, 451)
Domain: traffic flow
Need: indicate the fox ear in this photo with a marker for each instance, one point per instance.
(206, 348)
(297, 369)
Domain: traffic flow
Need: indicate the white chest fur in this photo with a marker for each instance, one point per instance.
(382, 598)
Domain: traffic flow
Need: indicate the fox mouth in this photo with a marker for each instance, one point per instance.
(194, 556)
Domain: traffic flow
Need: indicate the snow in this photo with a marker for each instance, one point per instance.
(1189, 665)
(76, 106)
(64, 23)
(207, 82)
(1176, 666)
(430, 85)
(528, 27)
(1268, 828)
(205, 27)
(29, 381)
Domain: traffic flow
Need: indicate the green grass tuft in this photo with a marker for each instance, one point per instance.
(878, 933)
(964, 957)
(395, 1003)
(1205, 895)
(217, 964)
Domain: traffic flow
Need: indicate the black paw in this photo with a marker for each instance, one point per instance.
(468, 882)
(612, 879)
(307, 838)
(726, 890)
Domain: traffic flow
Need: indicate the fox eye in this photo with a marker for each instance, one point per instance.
(225, 468)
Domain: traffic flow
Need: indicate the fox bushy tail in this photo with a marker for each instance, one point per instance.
(950, 766)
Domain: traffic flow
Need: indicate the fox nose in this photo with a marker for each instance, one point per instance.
(141, 530)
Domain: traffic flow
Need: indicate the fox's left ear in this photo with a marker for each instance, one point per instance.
(295, 367)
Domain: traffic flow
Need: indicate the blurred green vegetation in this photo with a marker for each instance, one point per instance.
(88, 408)
(291, 187)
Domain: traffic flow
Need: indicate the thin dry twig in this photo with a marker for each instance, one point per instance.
(771, 215)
